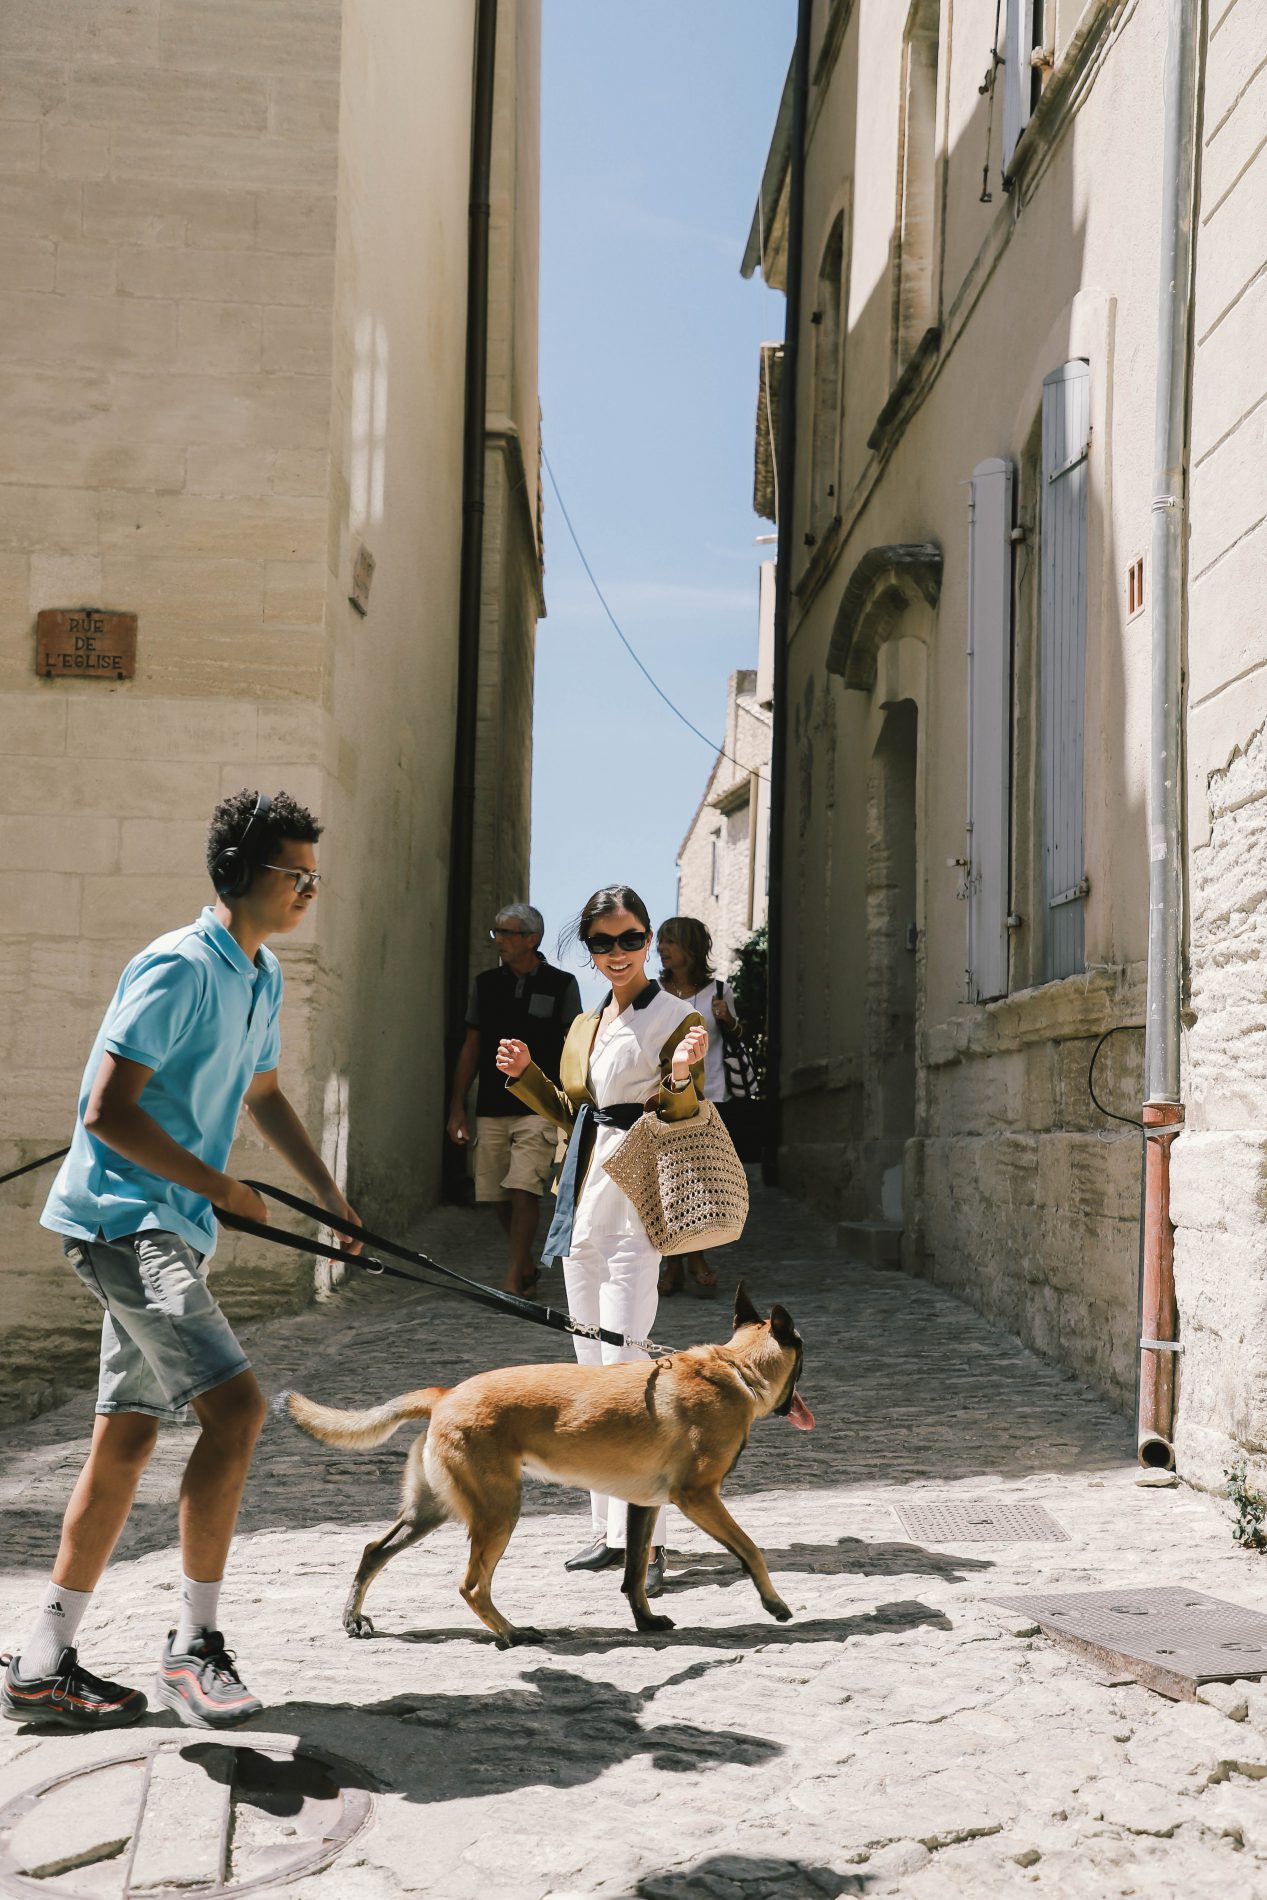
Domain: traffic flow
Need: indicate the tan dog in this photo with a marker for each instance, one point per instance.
(669, 1432)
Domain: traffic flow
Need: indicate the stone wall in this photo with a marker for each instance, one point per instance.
(1220, 1163)
(971, 1128)
(232, 303)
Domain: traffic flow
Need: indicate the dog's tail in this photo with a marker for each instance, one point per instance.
(359, 1431)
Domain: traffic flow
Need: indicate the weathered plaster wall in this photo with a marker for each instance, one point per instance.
(167, 217)
(1013, 1190)
(232, 307)
(738, 905)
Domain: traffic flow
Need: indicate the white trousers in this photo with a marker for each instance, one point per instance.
(611, 1282)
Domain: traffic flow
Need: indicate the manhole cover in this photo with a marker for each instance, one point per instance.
(988, 1520)
(1169, 1639)
(185, 1817)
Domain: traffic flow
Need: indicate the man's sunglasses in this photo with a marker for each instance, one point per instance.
(508, 930)
(600, 944)
(304, 881)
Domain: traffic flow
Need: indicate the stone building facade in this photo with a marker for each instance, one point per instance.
(965, 835)
(724, 857)
(233, 248)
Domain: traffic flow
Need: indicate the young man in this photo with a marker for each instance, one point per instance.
(527, 998)
(191, 1034)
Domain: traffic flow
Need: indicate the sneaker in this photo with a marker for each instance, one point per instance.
(69, 1698)
(202, 1685)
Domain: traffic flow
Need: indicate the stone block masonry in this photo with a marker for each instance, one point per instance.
(232, 332)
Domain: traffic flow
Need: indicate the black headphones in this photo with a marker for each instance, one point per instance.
(232, 869)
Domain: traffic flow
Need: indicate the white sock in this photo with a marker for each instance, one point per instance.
(199, 1603)
(53, 1630)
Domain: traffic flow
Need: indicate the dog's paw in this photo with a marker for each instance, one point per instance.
(652, 1625)
(516, 1638)
(358, 1626)
(778, 1609)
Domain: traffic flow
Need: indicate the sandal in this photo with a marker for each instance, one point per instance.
(704, 1279)
(670, 1281)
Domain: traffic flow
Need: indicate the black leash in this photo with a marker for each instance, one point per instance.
(31, 1166)
(450, 1281)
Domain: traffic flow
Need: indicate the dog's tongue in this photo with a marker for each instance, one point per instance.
(800, 1414)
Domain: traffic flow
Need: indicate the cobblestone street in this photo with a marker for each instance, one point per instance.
(899, 1736)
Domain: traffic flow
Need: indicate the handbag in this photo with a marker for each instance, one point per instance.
(685, 1180)
(737, 1064)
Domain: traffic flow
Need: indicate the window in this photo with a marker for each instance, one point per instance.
(1026, 63)
(825, 445)
(714, 878)
(1062, 661)
(989, 725)
(917, 161)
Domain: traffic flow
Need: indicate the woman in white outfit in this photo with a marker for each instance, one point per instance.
(638, 1049)
(685, 949)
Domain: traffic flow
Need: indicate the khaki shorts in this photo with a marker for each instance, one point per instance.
(512, 1151)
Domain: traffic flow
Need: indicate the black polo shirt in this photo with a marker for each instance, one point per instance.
(537, 1009)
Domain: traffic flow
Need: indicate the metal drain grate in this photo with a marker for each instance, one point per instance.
(979, 1520)
(1168, 1638)
(182, 1817)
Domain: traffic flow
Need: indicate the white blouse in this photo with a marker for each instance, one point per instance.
(714, 1062)
(624, 1067)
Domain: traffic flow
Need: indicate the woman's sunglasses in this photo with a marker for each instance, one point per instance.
(600, 944)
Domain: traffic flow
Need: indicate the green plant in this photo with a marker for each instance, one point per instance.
(1250, 1507)
(750, 981)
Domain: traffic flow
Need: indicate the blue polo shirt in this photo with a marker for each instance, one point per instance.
(193, 1008)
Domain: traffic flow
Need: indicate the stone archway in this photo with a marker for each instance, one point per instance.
(884, 625)
(885, 583)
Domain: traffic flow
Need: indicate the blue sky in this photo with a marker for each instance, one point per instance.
(656, 118)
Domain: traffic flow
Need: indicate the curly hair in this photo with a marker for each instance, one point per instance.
(287, 819)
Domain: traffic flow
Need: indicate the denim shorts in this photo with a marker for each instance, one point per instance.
(164, 1339)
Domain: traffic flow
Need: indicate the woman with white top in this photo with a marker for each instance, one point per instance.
(639, 1049)
(685, 950)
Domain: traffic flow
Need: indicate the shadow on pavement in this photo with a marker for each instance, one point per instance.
(882, 1621)
(557, 1730)
(756, 1879)
(848, 1556)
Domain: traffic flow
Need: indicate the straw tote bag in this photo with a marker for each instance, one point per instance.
(685, 1181)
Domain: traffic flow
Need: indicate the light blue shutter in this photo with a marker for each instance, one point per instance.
(990, 725)
(1062, 660)
(1016, 74)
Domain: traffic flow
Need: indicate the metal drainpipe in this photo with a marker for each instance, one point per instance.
(1163, 1107)
(462, 821)
(783, 592)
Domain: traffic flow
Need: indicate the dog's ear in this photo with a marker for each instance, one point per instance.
(782, 1326)
(746, 1313)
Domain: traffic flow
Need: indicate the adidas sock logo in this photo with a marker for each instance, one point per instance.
(55, 1609)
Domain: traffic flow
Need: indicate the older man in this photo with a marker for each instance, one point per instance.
(528, 999)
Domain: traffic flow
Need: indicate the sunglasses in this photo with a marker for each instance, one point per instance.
(304, 881)
(600, 944)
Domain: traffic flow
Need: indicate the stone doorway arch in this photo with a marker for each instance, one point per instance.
(884, 627)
